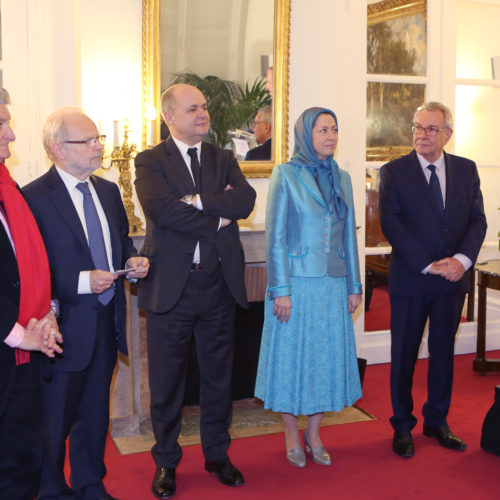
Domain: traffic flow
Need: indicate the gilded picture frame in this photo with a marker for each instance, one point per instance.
(151, 88)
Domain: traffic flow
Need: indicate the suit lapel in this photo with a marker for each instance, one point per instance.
(307, 180)
(450, 181)
(208, 167)
(61, 199)
(177, 166)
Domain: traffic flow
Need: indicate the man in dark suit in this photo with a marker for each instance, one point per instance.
(85, 229)
(192, 241)
(26, 324)
(262, 130)
(431, 212)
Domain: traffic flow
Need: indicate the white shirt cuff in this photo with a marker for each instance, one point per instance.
(84, 283)
(464, 260)
(16, 336)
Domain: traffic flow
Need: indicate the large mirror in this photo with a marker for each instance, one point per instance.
(242, 50)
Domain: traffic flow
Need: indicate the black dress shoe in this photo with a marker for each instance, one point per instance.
(402, 444)
(164, 482)
(445, 437)
(227, 472)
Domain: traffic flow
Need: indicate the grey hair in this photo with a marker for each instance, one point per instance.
(4, 96)
(267, 114)
(437, 106)
(55, 128)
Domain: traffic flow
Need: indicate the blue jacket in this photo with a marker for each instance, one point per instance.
(302, 237)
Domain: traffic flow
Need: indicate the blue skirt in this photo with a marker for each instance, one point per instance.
(309, 364)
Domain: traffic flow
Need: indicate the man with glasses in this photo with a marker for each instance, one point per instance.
(262, 131)
(85, 229)
(431, 212)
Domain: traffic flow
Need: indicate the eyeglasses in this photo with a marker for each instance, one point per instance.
(91, 143)
(429, 131)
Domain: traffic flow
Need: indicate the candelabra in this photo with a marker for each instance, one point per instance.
(120, 157)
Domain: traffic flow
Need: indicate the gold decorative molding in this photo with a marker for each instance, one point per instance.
(151, 89)
(392, 9)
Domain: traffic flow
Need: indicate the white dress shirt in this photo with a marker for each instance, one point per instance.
(77, 198)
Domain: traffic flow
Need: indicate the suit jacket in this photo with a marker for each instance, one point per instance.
(174, 228)
(69, 253)
(9, 307)
(419, 235)
(302, 237)
(262, 152)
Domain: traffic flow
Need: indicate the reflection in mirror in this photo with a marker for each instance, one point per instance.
(236, 52)
(224, 48)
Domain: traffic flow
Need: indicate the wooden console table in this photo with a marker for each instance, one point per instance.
(488, 276)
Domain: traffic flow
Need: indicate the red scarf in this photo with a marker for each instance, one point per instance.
(32, 261)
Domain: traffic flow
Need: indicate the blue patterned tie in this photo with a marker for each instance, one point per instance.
(96, 238)
(436, 188)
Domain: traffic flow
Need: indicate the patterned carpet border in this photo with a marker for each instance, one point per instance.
(247, 422)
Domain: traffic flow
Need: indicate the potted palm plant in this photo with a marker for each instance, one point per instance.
(231, 106)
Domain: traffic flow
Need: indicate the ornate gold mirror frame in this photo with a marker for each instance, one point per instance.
(151, 81)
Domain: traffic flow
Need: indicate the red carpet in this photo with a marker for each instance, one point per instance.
(378, 317)
(364, 466)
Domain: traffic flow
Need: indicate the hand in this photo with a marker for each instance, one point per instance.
(282, 308)
(452, 269)
(353, 301)
(135, 262)
(43, 336)
(225, 222)
(101, 280)
(436, 268)
(228, 187)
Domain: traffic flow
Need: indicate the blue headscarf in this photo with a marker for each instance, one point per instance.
(304, 155)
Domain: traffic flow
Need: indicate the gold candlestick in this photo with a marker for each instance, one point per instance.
(120, 157)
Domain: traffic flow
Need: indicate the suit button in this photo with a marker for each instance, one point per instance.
(15, 284)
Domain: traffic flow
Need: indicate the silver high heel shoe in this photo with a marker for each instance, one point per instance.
(319, 453)
(296, 456)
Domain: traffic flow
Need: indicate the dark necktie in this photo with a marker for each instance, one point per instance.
(208, 256)
(96, 238)
(436, 188)
(195, 167)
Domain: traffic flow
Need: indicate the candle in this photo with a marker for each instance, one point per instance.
(151, 133)
(116, 134)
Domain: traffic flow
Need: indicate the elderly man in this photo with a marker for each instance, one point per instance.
(85, 229)
(191, 193)
(431, 211)
(26, 324)
(263, 133)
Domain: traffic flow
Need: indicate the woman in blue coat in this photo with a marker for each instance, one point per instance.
(307, 362)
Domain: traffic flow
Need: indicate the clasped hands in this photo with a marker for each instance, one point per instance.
(449, 268)
(194, 200)
(101, 280)
(43, 335)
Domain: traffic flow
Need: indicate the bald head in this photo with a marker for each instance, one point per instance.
(184, 110)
